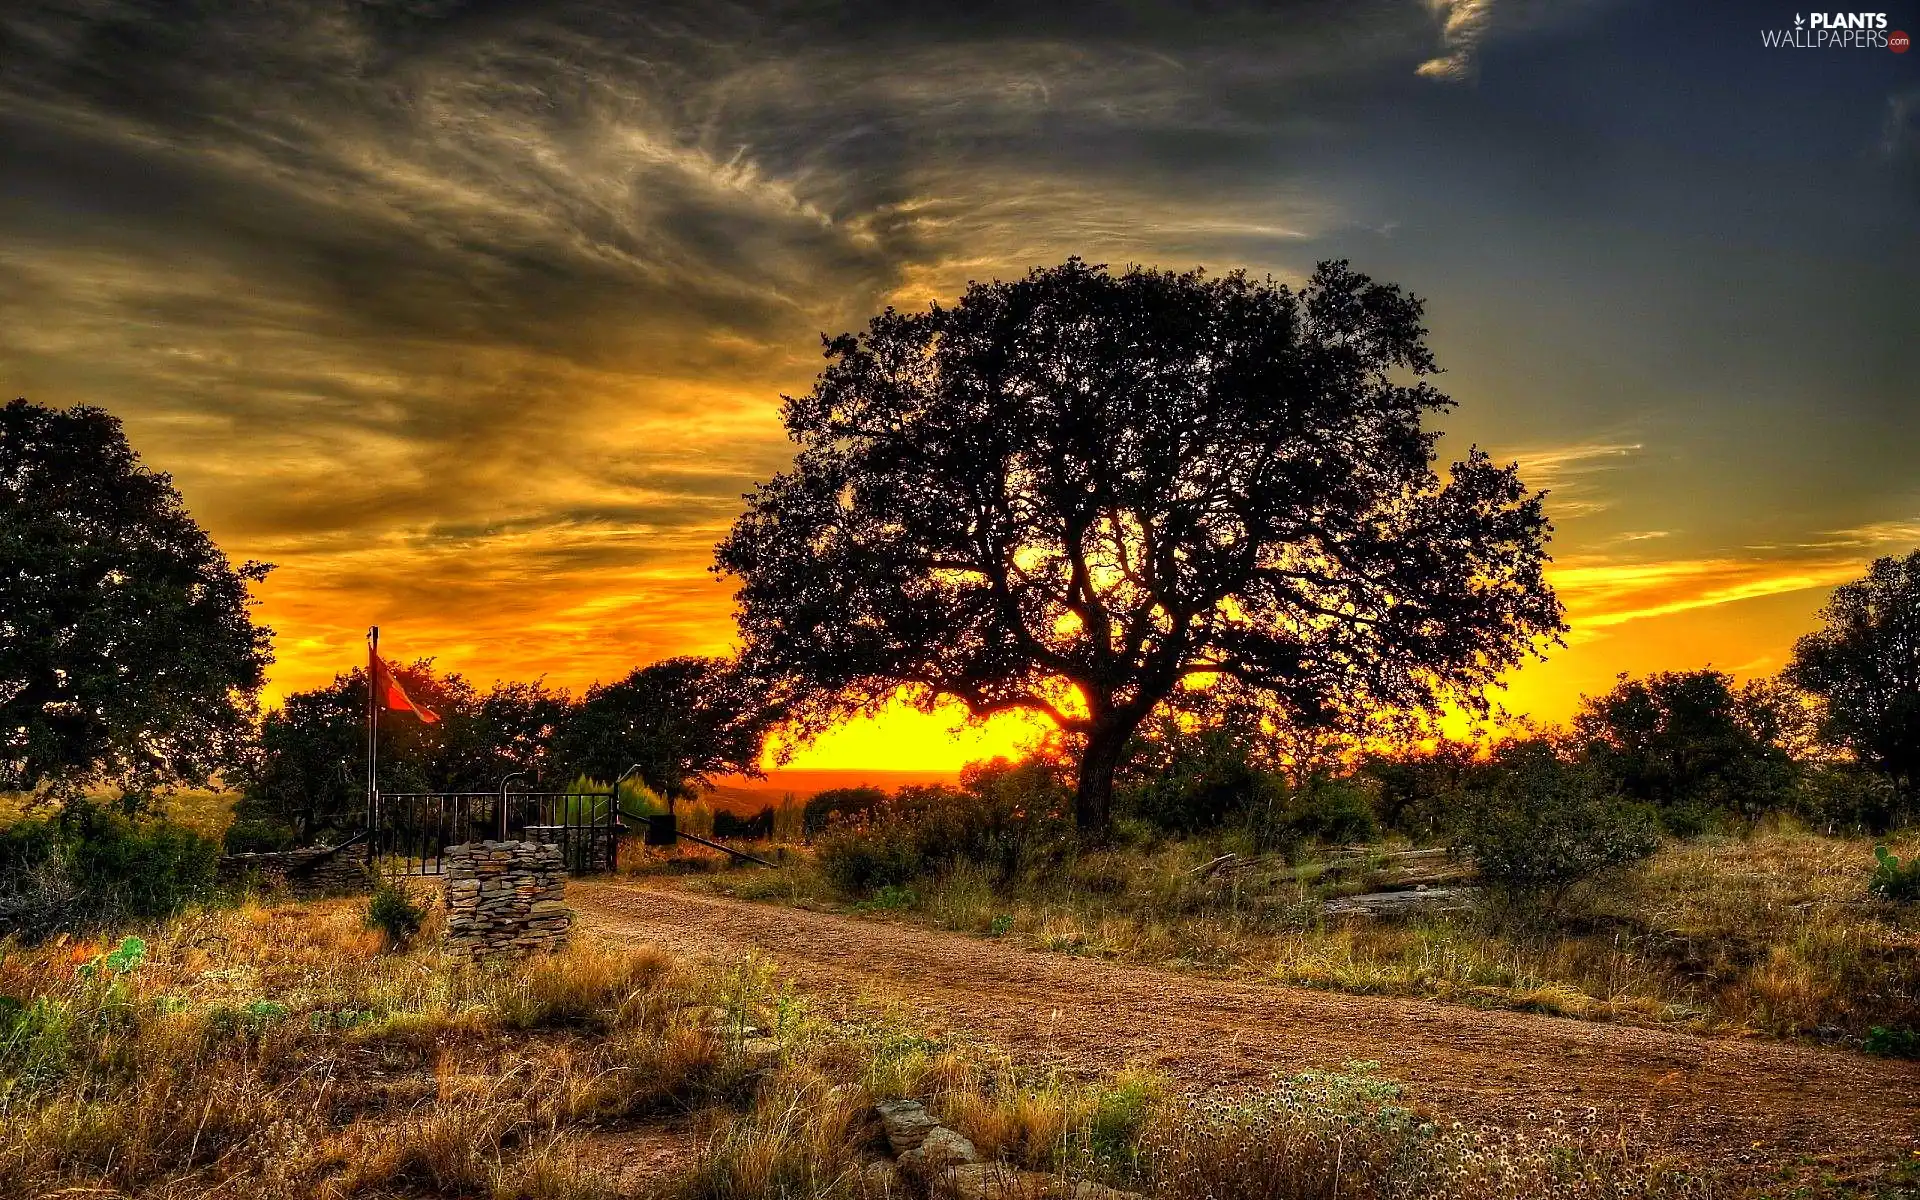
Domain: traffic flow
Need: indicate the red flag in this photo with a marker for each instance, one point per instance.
(388, 693)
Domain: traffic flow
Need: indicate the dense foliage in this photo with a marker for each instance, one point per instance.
(1865, 666)
(90, 868)
(1690, 744)
(128, 654)
(1072, 492)
(680, 721)
(1537, 822)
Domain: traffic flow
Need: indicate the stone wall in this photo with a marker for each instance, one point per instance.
(505, 898)
(311, 871)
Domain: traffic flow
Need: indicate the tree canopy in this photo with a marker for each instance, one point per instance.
(1689, 743)
(1076, 492)
(681, 721)
(128, 653)
(1865, 666)
(308, 774)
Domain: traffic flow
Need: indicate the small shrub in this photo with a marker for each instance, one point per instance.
(1118, 1119)
(256, 835)
(1538, 825)
(90, 868)
(1891, 879)
(892, 898)
(393, 911)
(1333, 811)
(1895, 1042)
(135, 872)
(840, 805)
(861, 860)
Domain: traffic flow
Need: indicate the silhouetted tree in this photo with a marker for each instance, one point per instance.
(682, 721)
(1690, 744)
(1865, 666)
(308, 774)
(127, 651)
(1069, 493)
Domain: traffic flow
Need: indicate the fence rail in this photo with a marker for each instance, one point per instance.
(410, 831)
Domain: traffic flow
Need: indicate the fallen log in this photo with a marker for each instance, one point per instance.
(1402, 904)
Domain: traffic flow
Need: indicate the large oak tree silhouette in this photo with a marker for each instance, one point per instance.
(1073, 492)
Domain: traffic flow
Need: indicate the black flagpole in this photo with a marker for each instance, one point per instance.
(373, 740)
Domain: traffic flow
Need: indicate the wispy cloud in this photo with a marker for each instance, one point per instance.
(1601, 592)
(1574, 473)
(1463, 24)
(474, 318)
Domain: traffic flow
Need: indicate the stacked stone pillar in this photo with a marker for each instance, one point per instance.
(505, 899)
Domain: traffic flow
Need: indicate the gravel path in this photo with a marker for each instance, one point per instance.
(1744, 1106)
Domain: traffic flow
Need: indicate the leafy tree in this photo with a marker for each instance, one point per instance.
(1690, 744)
(308, 775)
(682, 721)
(127, 650)
(1865, 666)
(1069, 493)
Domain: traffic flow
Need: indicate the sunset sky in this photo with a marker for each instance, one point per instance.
(474, 317)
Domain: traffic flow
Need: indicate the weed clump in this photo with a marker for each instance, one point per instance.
(393, 911)
(1891, 879)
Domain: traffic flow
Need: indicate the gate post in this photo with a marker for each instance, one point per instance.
(502, 832)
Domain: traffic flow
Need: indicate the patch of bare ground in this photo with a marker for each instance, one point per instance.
(1746, 1108)
(639, 1161)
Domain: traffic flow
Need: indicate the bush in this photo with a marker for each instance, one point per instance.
(1334, 811)
(256, 835)
(1892, 1042)
(393, 911)
(1537, 825)
(1893, 881)
(90, 868)
(1006, 817)
(840, 805)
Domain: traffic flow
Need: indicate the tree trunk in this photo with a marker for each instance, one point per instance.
(1093, 799)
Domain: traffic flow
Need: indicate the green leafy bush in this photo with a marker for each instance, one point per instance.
(257, 835)
(138, 872)
(1893, 880)
(1329, 810)
(1893, 1042)
(1537, 824)
(90, 868)
(393, 911)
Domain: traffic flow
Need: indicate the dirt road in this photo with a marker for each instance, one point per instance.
(1744, 1106)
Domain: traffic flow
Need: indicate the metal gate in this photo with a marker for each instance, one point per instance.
(412, 830)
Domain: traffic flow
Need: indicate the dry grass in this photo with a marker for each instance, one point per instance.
(286, 1052)
(280, 1051)
(1772, 934)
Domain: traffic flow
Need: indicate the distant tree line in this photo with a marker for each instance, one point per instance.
(680, 722)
